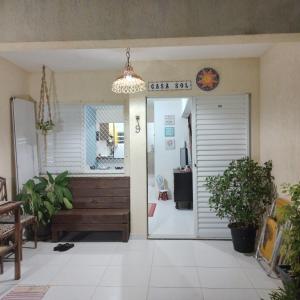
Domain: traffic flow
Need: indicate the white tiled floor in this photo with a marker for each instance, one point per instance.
(143, 270)
(169, 221)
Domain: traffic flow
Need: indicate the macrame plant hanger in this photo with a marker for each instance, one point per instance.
(45, 123)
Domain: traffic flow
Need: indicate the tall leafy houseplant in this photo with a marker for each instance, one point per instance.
(290, 214)
(43, 196)
(242, 195)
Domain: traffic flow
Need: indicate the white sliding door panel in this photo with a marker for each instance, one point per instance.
(220, 135)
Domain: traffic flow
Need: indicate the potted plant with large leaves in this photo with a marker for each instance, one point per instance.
(290, 249)
(242, 194)
(43, 196)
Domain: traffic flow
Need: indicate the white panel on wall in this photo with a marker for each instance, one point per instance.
(25, 140)
(221, 134)
(64, 146)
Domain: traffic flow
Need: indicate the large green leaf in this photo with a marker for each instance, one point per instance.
(42, 179)
(67, 193)
(59, 193)
(40, 187)
(51, 179)
(40, 216)
(50, 208)
(59, 179)
(51, 197)
(67, 203)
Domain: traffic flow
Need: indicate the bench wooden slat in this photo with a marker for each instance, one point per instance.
(83, 192)
(104, 183)
(100, 204)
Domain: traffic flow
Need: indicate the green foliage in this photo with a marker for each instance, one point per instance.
(243, 192)
(290, 249)
(289, 292)
(44, 196)
(45, 126)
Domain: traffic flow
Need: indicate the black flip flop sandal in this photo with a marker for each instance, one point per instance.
(58, 247)
(66, 247)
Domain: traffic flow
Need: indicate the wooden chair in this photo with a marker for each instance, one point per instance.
(8, 230)
(26, 220)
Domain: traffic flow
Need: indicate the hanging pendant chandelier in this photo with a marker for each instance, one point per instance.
(129, 82)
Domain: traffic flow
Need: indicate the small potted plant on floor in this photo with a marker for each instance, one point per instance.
(42, 197)
(290, 250)
(242, 194)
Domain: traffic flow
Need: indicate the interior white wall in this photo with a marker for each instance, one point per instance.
(167, 160)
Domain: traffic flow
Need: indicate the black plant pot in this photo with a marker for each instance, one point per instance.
(284, 273)
(43, 232)
(243, 238)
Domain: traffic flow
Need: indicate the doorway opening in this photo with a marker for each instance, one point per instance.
(189, 139)
(169, 153)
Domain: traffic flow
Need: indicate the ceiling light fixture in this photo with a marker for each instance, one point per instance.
(129, 82)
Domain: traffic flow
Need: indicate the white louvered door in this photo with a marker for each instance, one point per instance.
(220, 135)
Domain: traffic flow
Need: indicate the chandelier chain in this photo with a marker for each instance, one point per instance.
(128, 56)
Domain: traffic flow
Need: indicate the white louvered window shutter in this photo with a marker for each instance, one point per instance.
(64, 146)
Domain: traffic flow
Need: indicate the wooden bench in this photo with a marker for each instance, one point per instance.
(99, 204)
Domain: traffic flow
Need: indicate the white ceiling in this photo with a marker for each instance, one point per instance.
(100, 59)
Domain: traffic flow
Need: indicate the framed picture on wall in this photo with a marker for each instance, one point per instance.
(170, 144)
(169, 120)
(169, 131)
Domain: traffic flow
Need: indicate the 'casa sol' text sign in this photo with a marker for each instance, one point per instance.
(169, 85)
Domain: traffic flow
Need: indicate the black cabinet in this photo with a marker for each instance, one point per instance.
(183, 189)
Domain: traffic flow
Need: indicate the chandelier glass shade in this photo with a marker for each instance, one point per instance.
(129, 82)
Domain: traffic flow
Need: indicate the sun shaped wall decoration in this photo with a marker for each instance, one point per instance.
(207, 79)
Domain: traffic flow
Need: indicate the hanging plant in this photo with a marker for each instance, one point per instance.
(45, 123)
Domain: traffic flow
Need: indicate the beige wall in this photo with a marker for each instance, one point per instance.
(13, 82)
(93, 86)
(280, 111)
(275, 123)
(238, 76)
